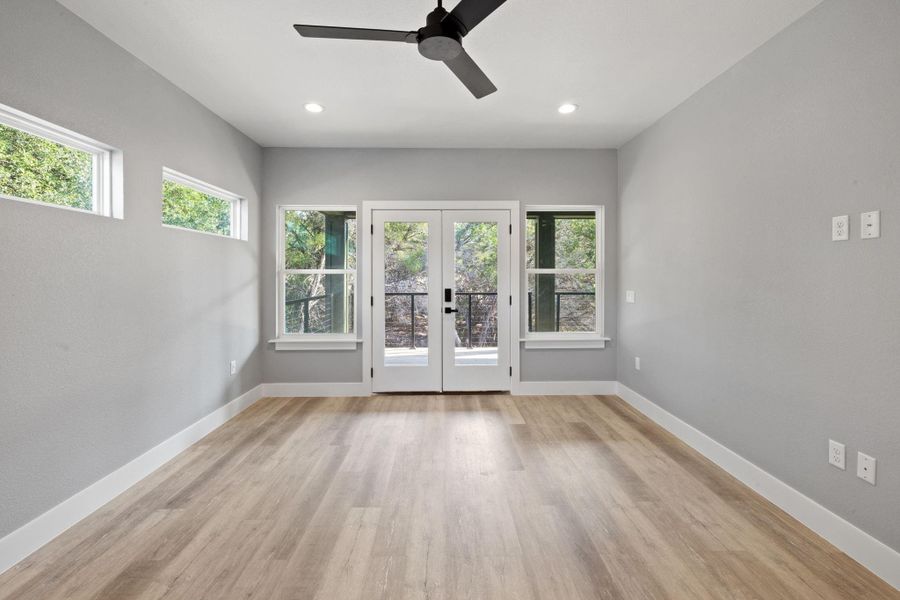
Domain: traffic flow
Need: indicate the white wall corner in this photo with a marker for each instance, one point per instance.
(25, 540)
(871, 553)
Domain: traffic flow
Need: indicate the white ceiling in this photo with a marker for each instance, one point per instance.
(625, 62)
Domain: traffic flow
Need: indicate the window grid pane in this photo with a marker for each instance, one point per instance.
(562, 303)
(318, 239)
(319, 303)
(562, 239)
(189, 208)
(35, 168)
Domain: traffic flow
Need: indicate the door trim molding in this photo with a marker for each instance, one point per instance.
(365, 221)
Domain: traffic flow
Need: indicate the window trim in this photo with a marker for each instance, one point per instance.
(107, 194)
(556, 339)
(238, 229)
(312, 341)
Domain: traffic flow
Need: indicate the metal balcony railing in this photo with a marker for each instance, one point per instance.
(557, 304)
(463, 304)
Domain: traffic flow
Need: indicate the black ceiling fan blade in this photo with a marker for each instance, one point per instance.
(356, 33)
(469, 13)
(471, 75)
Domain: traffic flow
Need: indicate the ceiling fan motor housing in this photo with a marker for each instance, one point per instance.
(439, 39)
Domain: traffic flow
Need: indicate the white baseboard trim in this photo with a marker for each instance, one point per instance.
(22, 542)
(876, 556)
(564, 388)
(315, 390)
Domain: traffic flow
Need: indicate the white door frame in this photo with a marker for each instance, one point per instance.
(365, 221)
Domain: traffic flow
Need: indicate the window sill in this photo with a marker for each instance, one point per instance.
(210, 233)
(287, 344)
(564, 343)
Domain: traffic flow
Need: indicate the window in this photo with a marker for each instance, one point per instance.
(317, 272)
(188, 203)
(40, 162)
(563, 250)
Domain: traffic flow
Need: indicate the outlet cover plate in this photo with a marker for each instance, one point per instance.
(865, 467)
(840, 228)
(836, 454)
(870, 225)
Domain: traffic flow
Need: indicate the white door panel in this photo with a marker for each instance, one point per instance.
(406, 322)
(476, 271)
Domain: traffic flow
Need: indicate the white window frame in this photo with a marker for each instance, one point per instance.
(238, 228)
(556, 339)
(313, 341)
(107, 196)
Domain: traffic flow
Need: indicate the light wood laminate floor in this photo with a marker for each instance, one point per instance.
(440, 497)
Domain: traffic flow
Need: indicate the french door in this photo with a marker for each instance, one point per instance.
(441, 300)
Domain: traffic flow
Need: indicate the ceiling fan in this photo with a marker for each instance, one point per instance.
(440, 39)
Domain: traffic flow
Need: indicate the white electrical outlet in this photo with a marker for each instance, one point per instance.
(233, 367)
(637, 363)
(865, 467)
(629, 296)
(836, 454)
(870, 224)
(840, 228)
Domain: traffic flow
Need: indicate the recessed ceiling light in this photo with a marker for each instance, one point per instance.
(313, 107)
(567, 109)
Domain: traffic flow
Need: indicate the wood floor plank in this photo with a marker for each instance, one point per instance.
(433, 497)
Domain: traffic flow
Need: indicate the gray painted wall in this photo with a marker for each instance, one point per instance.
(751, 324)
(114, 335)
(336, 176)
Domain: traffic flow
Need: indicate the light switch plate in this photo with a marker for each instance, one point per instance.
(840, 228)
(870, 224)
(629, 296)
(865, 467)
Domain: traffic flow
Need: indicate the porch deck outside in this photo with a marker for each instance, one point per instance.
(418, 357)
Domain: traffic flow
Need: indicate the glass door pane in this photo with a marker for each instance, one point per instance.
(475, 278)
(405, 294)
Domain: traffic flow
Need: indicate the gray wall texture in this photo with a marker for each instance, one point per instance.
(114, 335)
(752, 325)
(340, 176)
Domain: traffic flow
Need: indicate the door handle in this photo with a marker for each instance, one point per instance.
(448, 310)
